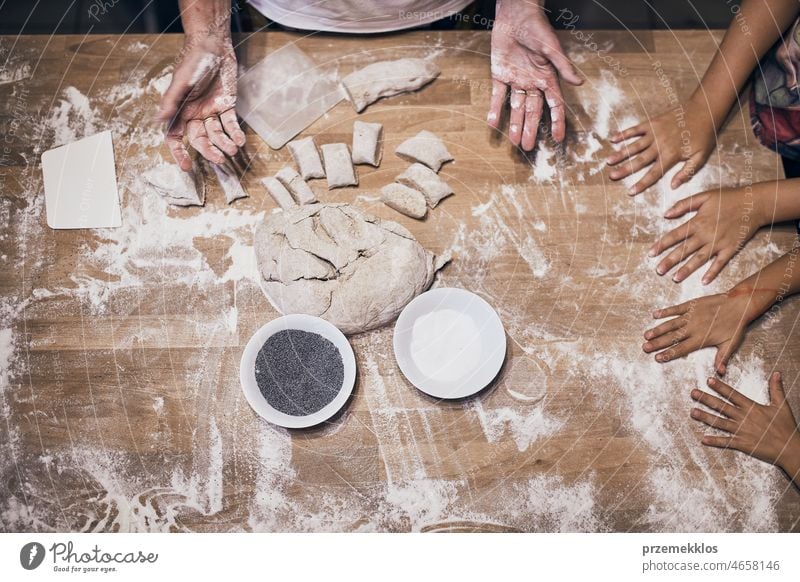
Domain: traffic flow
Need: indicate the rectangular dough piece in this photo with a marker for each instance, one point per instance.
(426, 148)
(230, 183)
(405, 200)
(367, 143)
(427, 181)
(338, 165)
(278, 192)
(302, 193)
(305, 154)
(177, 187)
(387, 78)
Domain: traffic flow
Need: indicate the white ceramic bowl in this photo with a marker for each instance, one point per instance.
(309, 323)
(449, 343)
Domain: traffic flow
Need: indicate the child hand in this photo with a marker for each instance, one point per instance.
(725, 220)
(767, 432)
(663, 143)
(715, 320)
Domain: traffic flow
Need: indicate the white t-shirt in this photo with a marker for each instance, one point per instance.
(357, 16)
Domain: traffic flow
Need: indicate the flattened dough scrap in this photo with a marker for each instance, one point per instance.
(278, 192)
(305, 154)
(338, 165)
(342, 264)
(427, 181)
(230, 183)
(367, 143)
(405, 200)
(426, 148)
(177, 187)
(301, 191)
(387, 78)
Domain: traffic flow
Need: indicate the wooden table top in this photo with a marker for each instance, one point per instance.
(119, 350)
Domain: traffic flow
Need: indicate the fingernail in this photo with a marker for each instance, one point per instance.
(632, 190)
(660, 270)
(651, 253)
(656, 315)
(711, 381)
(695, 394)
(646, 347)
(695, 413)
(677, 279)
(706, 281)
(776, 376)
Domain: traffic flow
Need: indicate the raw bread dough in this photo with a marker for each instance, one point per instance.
(427, 148)
(230, 183)
(305, 154)
(367, 138)
(176, 186)
(338, 165)
(405, 200)
(278, 192)
(342, 264)
(388, 78)
(296, 185)
(427, 181)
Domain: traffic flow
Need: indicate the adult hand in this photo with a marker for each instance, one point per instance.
(684, 135)
(200, 103)
(765, 431)
(527, 59)
(724, 221)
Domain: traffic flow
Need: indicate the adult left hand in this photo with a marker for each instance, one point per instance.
(528, 60)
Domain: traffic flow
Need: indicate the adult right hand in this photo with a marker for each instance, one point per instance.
(200, 103)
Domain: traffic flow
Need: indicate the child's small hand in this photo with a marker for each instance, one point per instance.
(663, 143)
(725, 220)
(767, 432)
(714, 320)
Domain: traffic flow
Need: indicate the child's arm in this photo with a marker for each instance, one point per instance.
(765, 431)
(726, 219)
(721, 320)
(663, 141)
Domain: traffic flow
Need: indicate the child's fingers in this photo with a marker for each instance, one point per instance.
(678, 351)
(714, 421)
(673, 311)
(665, 327)
(672, 238)
(650, 178)
(640, 129)
(666, 340)
(716, 267)
(632, 166)
(720, 442)
(776, 394)
(724, 352)
(690, 204)
(679, 254)
(730, 394)
(717, 404)
(499, 90)
(699, 259)
(630, 150)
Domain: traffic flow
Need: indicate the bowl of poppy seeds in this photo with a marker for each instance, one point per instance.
(297, 371)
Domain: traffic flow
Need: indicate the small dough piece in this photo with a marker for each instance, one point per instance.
(278, 192)
(230, 183)
(405, 200)
(177, 187)
(426, 148)
(367, 143)
(296, 185)
(387, 78)
(305, 154)
(427, 181)
(338, 165)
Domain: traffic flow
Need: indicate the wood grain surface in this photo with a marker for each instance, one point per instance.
(121, 406)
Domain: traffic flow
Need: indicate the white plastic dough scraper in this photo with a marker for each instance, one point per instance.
(80, 184)
(284, 93)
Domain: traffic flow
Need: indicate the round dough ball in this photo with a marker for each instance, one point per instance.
(342, 264)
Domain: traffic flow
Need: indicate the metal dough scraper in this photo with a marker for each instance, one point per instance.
(284, 93)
